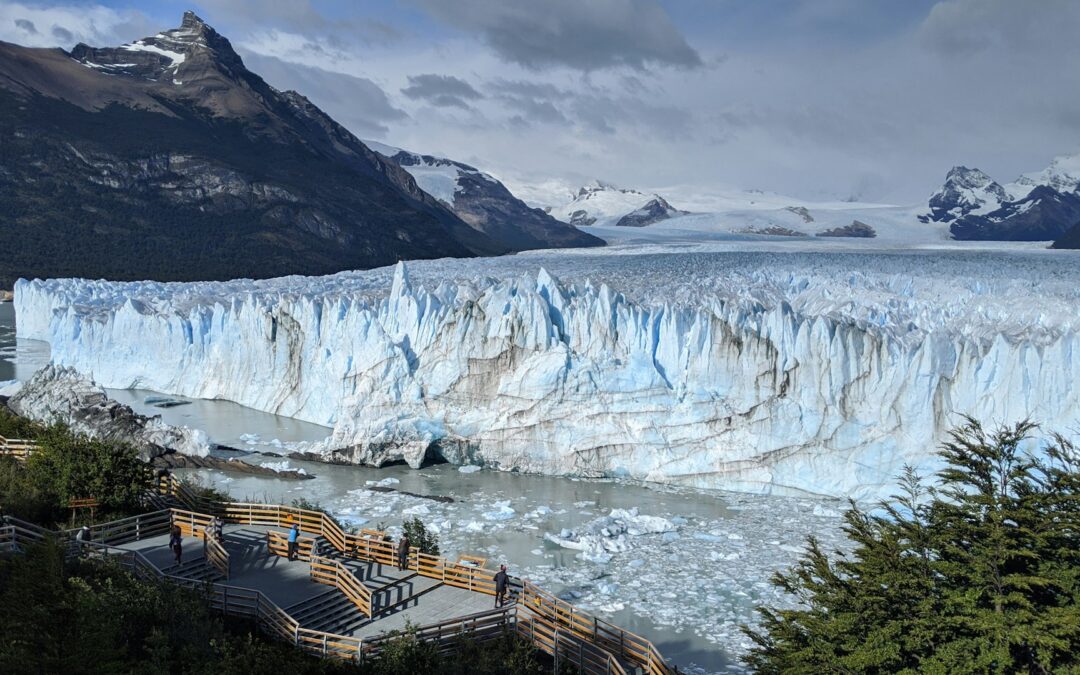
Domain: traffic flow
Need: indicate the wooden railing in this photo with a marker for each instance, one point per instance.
(134, 528)
(217, 556)
(333, 573)
(15, 537)
(19, 448)
(169, 486)
(191, 523)
(553, 615)
(447, 635)
(565, 646)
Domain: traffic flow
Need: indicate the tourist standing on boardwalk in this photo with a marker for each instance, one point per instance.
(502, 580)
(403, 553)
(175, 543)
(294, 535)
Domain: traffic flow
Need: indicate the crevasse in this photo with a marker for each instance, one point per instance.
(730, 391)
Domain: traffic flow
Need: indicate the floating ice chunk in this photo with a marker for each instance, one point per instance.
(385, 482)
(417, 510)
(250, 439)
(501, 511)
(469, 468)
(607, 588)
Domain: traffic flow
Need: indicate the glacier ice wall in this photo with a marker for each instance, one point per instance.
(783, 381)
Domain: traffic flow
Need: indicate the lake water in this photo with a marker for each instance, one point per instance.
(687, 589)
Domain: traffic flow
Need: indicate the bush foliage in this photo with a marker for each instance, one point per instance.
(69, 466)
(427, 542)
(978, 574)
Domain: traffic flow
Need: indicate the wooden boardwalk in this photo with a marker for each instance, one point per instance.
(398, 596)
(344, 595)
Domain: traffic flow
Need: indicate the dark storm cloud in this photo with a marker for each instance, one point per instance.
(443, 91)
(356, 102)
(583, 35)
(62, 34)
(26, 25)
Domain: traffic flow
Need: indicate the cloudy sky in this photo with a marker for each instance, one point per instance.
(868, 99)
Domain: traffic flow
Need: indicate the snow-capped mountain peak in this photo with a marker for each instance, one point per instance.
(598, 202)
(597, 187)
(1038, 206)
(1063, 175)
(966, 191)
(164, 57)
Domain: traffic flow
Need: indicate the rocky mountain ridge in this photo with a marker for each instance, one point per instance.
(168, 159)
(1038, 206)
(483, 202)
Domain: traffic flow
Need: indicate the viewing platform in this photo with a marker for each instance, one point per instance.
(343, 595)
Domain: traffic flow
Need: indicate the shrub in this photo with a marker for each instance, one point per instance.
(427, 542)
(72, 466)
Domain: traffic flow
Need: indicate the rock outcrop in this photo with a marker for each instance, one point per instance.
(56, 394)
(654, 211)
(857, 228)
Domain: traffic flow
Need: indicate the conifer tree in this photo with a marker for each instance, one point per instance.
(978, 574)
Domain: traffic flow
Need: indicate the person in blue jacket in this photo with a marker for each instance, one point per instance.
(294, 535)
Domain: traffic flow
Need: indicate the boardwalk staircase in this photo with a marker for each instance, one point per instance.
(329, 612)
(198, 569)
(390, 589)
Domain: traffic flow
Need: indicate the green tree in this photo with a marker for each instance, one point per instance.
(73, 466)
(427, 542)
(981, 574)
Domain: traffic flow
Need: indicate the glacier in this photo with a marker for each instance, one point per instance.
(799, 373)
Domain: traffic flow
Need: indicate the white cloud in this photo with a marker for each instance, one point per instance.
(65, 25)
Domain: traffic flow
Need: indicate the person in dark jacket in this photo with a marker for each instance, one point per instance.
(403, 553)
(502, 582)
(175, 543)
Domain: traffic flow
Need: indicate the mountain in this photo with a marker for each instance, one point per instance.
(168, 159)
(1043, 215)
(1036, 207)
(965, 191)
(654, 211)
(604, 204)
(486, 204)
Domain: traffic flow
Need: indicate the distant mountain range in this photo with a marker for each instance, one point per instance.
(1039, 206)
(168, 159)
(600, 203)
